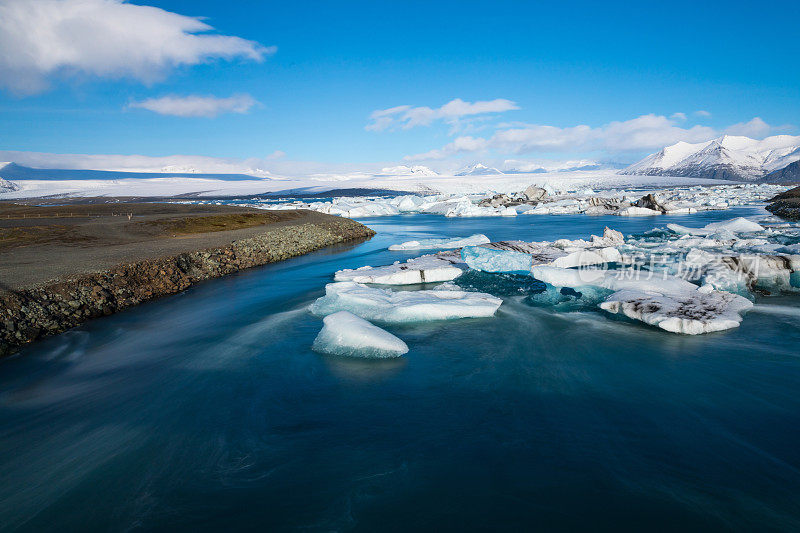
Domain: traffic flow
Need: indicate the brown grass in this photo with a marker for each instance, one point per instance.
(27, 235)
(206, 224)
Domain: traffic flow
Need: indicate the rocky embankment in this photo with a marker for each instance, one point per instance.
(31, 313)
(786, 205)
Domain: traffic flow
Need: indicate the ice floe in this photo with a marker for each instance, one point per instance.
(441, 244)
(668, 302)
(346, 334)
(384, 305)
(677, 278)
(534, 201)
(425, 269)
(691, 313)
(737, 225)
(493, 260)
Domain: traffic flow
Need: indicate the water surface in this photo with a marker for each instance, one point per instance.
(209, 411)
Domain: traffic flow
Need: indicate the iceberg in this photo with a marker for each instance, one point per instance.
(691, 313)
(519, 256)
(345, 334)
(737, 225)
(383, 305)
(425, 269)
(766, 272)
(661, 300)
(494, 260)
(612, 280)
(634, 211)
(442, 244)
(408, 204)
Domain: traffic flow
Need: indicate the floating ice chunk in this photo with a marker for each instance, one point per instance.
(683, 230)
(634, 211)
(493, 260)
(519, 256)
(692, 313)
(610, 238)
(614, 280)
(424, 269)
(671, 303)
(737, 225)
(715, 271)
(408, 204)
(598, 210)
(346, 334)
(767, 272)
(442, 244)
(588, 257)
(673, 210)
(384, 305)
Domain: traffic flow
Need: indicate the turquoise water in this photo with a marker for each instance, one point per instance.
(209, 411)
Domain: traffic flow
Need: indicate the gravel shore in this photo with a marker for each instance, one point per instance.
(47, 288)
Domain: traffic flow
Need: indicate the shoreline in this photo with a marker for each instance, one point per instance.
(34, 311)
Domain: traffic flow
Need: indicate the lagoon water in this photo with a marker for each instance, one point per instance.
(209, 411)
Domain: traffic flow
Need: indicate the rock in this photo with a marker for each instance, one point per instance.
(791, 193)
(786, 204)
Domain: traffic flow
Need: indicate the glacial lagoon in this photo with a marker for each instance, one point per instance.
(210, 410)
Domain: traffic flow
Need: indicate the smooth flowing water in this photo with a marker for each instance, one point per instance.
(209, 411)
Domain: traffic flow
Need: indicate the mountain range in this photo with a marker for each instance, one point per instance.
(478, 169)
(728, 157)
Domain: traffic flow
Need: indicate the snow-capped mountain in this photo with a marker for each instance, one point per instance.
(516, 166)
(478, 169)
(728, 157)
(788, 174)
(13, 171)
(403, 170)
(6, 186)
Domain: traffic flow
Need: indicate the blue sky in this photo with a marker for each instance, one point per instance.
(600, 65)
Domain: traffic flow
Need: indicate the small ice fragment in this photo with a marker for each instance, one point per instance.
(345, 334)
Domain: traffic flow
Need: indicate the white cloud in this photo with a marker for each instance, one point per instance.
(678, 116)
(459, 145)
(41, 39)
(407, 117)
(753, 128)
(702, 113)
(196, 106)
(647, 132)
(277, 154)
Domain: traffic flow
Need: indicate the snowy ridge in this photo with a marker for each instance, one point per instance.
(727, 157)
(478, 169)
(403, 170)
